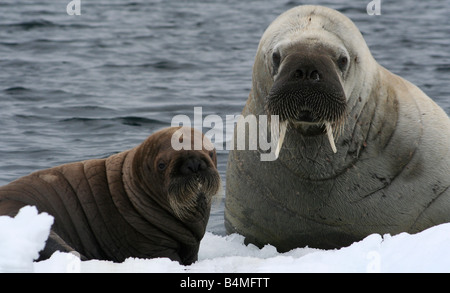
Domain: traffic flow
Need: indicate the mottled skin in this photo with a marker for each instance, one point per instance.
(391, 172)
(115, 208)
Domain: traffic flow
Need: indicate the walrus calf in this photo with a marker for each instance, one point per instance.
(361, 149)
(146, 202)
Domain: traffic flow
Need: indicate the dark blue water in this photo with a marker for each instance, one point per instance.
(88, 86)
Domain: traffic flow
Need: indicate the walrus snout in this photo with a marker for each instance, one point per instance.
(193, 165)
(194, 181)
(307, 88)
(308, 93)
(306, 116)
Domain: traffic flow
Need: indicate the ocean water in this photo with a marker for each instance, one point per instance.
(76, 87)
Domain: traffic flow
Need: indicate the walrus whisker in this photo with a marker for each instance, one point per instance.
(183, 198)
(338, 128)
(183, 195)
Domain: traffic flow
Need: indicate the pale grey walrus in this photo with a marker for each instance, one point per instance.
(364, 150)
(150, 201)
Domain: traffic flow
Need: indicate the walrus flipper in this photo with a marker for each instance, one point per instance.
(55, 243)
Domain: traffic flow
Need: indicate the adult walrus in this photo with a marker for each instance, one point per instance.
(149, 201)
(364, 150)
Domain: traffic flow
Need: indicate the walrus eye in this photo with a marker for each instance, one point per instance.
(342, 62)
(276, 59)
(161, 166)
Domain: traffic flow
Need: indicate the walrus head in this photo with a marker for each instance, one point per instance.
(307, 91)
(188, 178)
(308, 70)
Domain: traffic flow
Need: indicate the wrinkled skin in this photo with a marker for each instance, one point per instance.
(118, 207)
(391, 172)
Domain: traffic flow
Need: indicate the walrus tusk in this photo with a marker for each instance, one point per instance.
(330, 136)
(282, 132)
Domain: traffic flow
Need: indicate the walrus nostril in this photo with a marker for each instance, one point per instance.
(306, 74)
(314, 75)
(192, 165)
(298, 74)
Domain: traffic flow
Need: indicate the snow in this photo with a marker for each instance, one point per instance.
(22, 237)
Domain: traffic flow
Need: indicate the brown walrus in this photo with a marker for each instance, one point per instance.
(146, 202)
